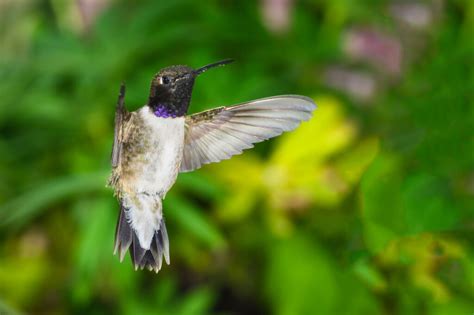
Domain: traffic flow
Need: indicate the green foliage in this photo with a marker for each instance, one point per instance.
(365, 209)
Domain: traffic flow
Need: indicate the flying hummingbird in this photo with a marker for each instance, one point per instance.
(159, 140)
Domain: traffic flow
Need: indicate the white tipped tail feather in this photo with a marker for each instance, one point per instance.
(147, 240)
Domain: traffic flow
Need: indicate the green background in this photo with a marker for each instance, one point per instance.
(365, 209)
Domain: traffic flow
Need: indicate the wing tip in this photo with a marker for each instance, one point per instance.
(310, 102)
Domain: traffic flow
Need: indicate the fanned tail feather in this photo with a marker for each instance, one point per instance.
(126, 238)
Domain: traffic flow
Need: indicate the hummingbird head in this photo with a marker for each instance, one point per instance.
(171, 89)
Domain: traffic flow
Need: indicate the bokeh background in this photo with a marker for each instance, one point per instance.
(365, 209)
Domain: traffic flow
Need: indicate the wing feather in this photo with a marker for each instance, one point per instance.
(220, 133)
(121, 116)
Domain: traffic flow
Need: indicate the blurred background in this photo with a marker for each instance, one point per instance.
(365, 209)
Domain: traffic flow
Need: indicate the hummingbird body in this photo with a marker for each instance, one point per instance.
(156, 142)
(151, 156)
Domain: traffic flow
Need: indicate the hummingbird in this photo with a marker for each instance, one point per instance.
(155, 143)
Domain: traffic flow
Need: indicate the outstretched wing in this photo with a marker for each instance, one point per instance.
(121, 115)
(220, 133)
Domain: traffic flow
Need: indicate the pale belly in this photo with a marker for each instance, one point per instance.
(154, 168)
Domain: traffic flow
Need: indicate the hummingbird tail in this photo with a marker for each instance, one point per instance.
(126, 238)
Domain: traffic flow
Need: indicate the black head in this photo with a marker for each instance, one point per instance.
(171, 89)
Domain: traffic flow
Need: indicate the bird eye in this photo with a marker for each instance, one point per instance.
(165, 80)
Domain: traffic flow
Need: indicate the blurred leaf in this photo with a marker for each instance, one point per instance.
(369, 275)
(355, 162)
(300, 278)
(95, 245)
(357, 298)
(197, 302)
(22, 209)
(426, 205)
(199, 184)
(166, 300)
(23, 273)
(421, 256)
(191, 218)
(402, 204)
(6, 310)
(327, 133)
(382, 209)
(458, 306)
(242, 178)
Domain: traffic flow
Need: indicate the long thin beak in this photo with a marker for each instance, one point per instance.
(212, 65)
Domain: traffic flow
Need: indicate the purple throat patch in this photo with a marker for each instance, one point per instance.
(163, 112)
